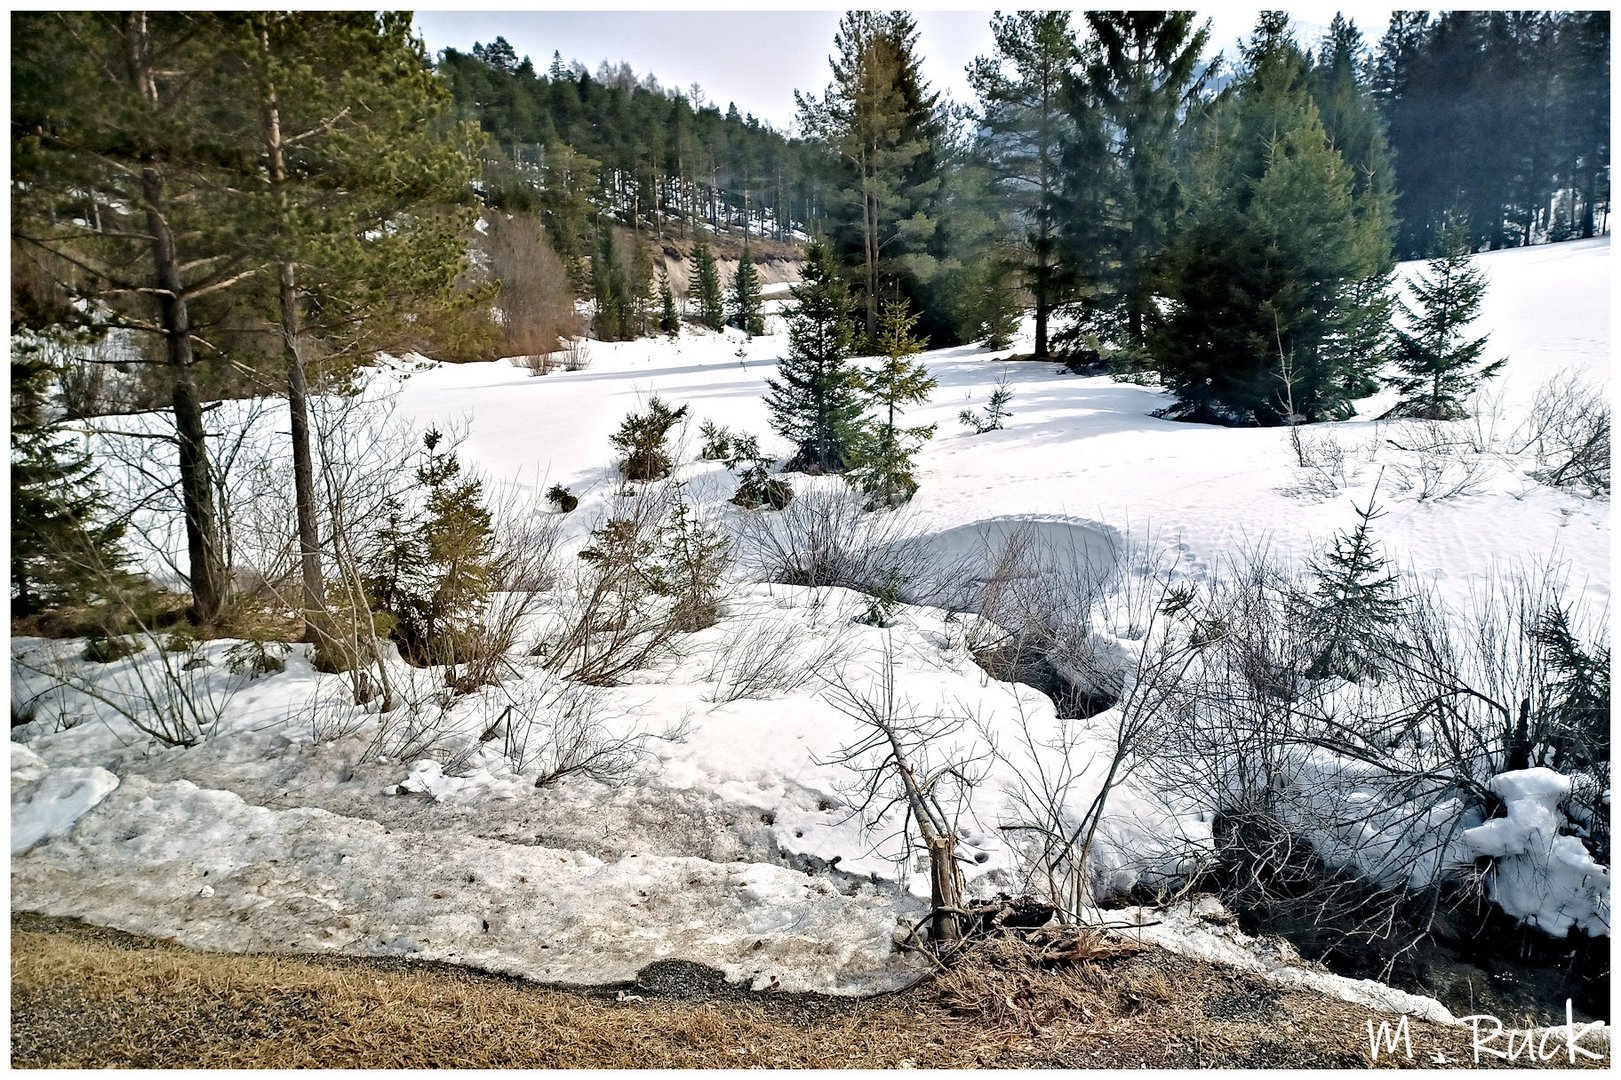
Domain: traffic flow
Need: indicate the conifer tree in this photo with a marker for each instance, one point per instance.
(882, 467)
(1025, 126)
(1354, 605)
(64, 546)
(882, 124)
(616, 309)
(1271, 262)
(669, 318)
(706, 275)
(1440, 366)
(815, 401)
(432, 568)
(1142, 72)
(746, 311)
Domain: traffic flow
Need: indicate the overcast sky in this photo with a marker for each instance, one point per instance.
(758, 58)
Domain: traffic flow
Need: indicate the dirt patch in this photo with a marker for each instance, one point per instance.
(89, 997)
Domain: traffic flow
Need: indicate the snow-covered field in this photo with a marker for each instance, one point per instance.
(737, 840)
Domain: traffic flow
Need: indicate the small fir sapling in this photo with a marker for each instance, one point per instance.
(640, 439)
(561, 498)
(1440, 366)
(756, 486)
(1355, 603)
(995, 412)
(883, 462)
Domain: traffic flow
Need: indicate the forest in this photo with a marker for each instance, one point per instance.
(1169, 483)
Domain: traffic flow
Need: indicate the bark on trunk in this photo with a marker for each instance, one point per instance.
(207, 565)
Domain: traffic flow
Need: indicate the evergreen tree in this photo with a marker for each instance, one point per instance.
(1355, 603)
(64, 547)
(996, 410)
(432, 568)
(1440, 366)
(1026, 130)
(1266, 273)
(616, 309)
(815, 401)
(669, 318)
(746, 310)
(882, 126)
(1142, 74)
(882, 467)
(711, 306)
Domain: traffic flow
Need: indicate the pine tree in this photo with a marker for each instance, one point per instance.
(1272, 260)
(815, 401)
(882, 467)
(1440, 367)
(706, 275)
(1025, 126)
(1142, 74)
(690, 558)
(883, 126)
(669, 318)
(746, 310)
(1355, 603)
(431, 568)
(64, 547)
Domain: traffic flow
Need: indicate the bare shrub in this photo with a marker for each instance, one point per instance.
(575, 354)
(535, 299)
(555, 730)
(610, 619)
(1568, 431)
(825, 538)
(176, 699)
(1439, 461)
(767, 657)
(906, 761)
(537, 363)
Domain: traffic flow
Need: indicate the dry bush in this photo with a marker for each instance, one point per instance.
(825, 538)
(610, 620)
(1440, 460)
(552, 730)
(767, 657)
(575, 354)
(535, 299)
(1568, 430)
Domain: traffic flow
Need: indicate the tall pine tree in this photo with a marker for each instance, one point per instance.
(1439, 364)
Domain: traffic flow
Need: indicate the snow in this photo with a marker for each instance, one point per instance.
(56, 802)
(737, 837)
(1539, 874)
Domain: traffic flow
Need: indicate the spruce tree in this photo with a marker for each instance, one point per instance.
(1025, 126)
(1141, 76)
(882, 467)
(1267, 272)
(65, 549)
(669, 318)
(815, 401)
(746, 311)
(1354, 605)
(1440, 366)
(706, 276)
(616, 308)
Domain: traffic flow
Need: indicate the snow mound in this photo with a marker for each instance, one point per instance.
(52, 808)
(1542, 876)
(214, 872)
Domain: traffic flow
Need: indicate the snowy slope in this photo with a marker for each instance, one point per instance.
(738, 843)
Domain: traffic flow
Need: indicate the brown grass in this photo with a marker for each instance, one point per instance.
(86, 997)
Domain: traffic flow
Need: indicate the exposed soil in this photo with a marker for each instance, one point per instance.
(85, 996)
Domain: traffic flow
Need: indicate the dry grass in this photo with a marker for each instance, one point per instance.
(85, 997)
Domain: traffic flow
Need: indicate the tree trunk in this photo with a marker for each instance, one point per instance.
(207, 566)
(309, 545)
(945, 890)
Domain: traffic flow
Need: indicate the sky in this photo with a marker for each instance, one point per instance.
(758, 58)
